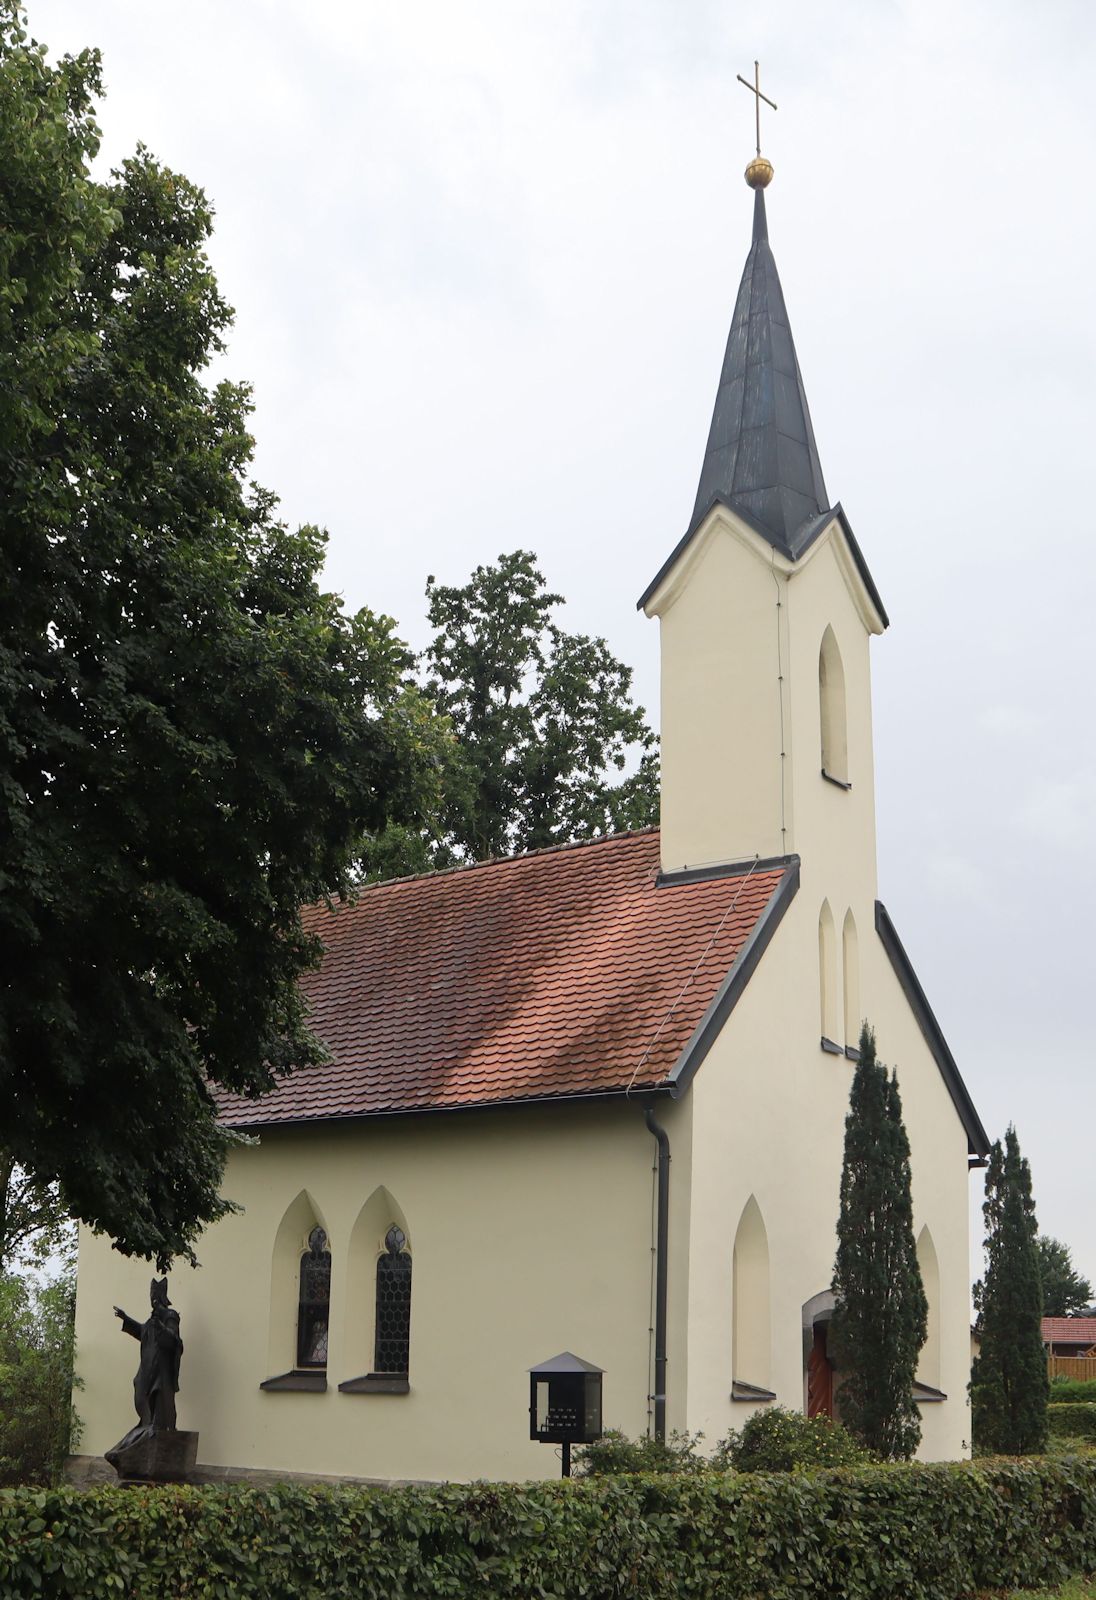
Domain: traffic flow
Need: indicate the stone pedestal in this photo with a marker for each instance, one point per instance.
(166, 1457)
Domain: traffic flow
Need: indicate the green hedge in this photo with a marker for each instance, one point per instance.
(1072, 1421)
(919, 1533)
(1068, 1391)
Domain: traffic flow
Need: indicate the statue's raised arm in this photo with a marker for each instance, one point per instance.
(129, 1325)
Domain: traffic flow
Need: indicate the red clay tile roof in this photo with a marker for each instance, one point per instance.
(1069, 1330)
(565, 972)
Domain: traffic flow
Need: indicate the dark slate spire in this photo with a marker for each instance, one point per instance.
(761, 459)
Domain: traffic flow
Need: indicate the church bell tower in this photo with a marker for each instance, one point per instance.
(766, 607)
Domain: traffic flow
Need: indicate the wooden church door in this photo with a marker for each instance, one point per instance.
(819, 1376)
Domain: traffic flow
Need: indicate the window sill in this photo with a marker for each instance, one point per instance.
(840, 783)
(302, 1382)
(830, 1048)
(924, 1393)
(750, 1392)
(851, 1053)
(377, 1383)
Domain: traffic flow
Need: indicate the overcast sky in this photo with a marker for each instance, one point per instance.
(484, 257)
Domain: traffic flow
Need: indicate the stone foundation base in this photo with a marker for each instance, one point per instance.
(168, 1457)
(84, 1472)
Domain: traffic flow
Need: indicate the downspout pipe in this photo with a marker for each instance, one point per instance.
(662, 1241)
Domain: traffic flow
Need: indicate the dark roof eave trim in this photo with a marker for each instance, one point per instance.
(861, 564)
(817, 524)
(597, 1096)
(723, 869)
(734, 984)
(978, 1142)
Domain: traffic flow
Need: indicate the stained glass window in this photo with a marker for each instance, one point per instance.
(315, 1302)
(393, 1304)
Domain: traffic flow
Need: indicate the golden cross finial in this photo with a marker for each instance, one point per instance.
(755, 89)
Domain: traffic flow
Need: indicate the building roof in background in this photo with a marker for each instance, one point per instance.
(574, 971)
(1069, 1330)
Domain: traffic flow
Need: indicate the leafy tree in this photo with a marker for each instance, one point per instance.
(38, 1425)
(1009, 1386)
(193, 736)
(34, 1223)
(1064, 1290)
(880, 1318)
(542, 718)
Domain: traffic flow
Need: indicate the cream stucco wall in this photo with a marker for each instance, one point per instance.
(768, 1123)
(530, 1233)
(741, 632)
(722, 635)
(741, 629)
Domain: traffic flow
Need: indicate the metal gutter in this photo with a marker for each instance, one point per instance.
(662, 1245)
(595, 1097)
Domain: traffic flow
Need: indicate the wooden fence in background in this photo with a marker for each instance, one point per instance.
(1082, 1367)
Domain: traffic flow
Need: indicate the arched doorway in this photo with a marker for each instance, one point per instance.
(818, 1369)
(819, 1376)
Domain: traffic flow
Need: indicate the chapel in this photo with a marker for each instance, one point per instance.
(592, 1100)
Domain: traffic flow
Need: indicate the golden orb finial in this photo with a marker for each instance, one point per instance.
(759, 173)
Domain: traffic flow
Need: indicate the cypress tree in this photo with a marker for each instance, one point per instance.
(881, 1314)
(1009, 1385)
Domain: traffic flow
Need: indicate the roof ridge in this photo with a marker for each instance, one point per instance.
(506, 861)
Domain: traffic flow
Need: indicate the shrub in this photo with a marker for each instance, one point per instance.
(1008, 1382)
(1076, 1421)
(615, 1454)
(779, 1440)
(1070, 1391)
(871, 1533)
(38, 1426)
(1059, 1447)
(880, 1316)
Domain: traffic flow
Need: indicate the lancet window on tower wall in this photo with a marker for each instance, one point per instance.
(850, 968)
(827, 974)
(831, 710)
(928, 1364)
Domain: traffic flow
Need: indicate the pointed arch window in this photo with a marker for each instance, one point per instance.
(377, 1307)
(393, 1318)
(827, 978)
(831, 711)
(314, 1305)
(850, 967)
(751, 1335)
(928, 1363)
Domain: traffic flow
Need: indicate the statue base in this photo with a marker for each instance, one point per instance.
(166, 1457)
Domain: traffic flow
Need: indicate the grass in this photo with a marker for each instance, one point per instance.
(1076, 1589)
